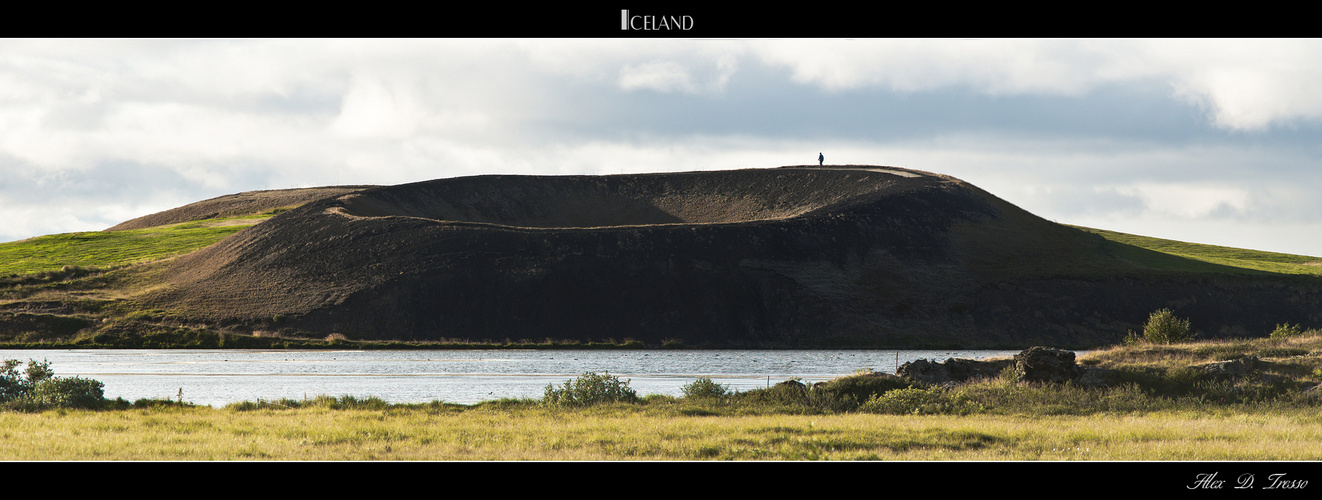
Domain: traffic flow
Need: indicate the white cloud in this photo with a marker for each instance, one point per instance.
(1244, 84)
(998, 66)
(661, 76)
(230, 115)
(674, 76)
(374, 109)
(1191, 200)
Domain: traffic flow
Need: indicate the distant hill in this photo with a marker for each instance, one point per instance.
(793, 256)
(800, 256)
(232, 205)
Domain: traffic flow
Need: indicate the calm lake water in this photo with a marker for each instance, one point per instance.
(220, 377)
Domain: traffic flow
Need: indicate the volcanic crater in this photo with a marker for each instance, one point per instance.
(563, 202)
(794, 256)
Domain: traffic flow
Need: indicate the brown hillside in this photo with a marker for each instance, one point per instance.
(233, 205)
(782, 257)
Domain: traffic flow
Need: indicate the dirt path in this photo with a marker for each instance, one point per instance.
(234, 205)
(885, 170)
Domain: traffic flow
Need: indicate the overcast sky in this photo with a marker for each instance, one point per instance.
(1205, 140)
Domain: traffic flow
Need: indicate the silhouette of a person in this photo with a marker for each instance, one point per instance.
(821, 160)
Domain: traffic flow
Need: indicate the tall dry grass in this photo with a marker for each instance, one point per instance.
(636, 432)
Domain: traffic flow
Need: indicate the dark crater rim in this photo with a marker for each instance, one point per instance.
(624, 201)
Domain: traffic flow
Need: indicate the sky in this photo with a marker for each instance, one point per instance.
(1203, 140)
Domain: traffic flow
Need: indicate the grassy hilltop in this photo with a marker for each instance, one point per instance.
(792, 257)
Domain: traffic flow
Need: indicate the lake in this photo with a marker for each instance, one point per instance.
(220, 377)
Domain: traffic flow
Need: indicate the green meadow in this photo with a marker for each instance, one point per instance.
(112, 249)
(1171, 255)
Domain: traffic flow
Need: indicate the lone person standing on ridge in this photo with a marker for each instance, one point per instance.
(821, 160)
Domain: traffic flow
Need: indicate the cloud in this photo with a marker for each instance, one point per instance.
(1108, 131)
(376, 109)
(996, 67)
(1245, 85)
(674, 76)
(663, 76)
(1191, 200)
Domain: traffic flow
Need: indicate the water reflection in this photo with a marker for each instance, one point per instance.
(219, 377)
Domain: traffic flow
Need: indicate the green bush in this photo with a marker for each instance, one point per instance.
(262, 404)
(1287, 330)
(838, 395)
(347, 402)
(36, 388)
(344, 402)
(148, 403)
(918, 401)
(846, 393)
(15, 384)
(1163, 327)
(590, 389)
(69, 392)
(789, 392)
(704, 388)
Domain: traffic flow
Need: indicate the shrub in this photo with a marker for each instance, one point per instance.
(344, 402)
(14, 385)
(1287, 330)
(789, 392)
(1163, 327)
(861, 387)
(150, 403)
(590, 389)
(347, 402)
(838, 395)
(1132, 338)
(37, 389)
(704, 387)
(262, 404)
(69, 392)
(918, 401)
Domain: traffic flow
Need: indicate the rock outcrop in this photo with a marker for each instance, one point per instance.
(953, 370)
(1035, 364)
(1231, 369)
(1046, 364)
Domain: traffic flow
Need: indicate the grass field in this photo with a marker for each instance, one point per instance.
(649, 432)
(110, 249)
(1171, 255)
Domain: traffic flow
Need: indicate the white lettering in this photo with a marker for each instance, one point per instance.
(653, 23)
(1245, 481)
(1206, 482)
(1280, 483)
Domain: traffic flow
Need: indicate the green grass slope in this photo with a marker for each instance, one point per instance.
(110, 249)
(1170, 255)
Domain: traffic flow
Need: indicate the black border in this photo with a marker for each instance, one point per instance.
(603, 19)
(1163, 480)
